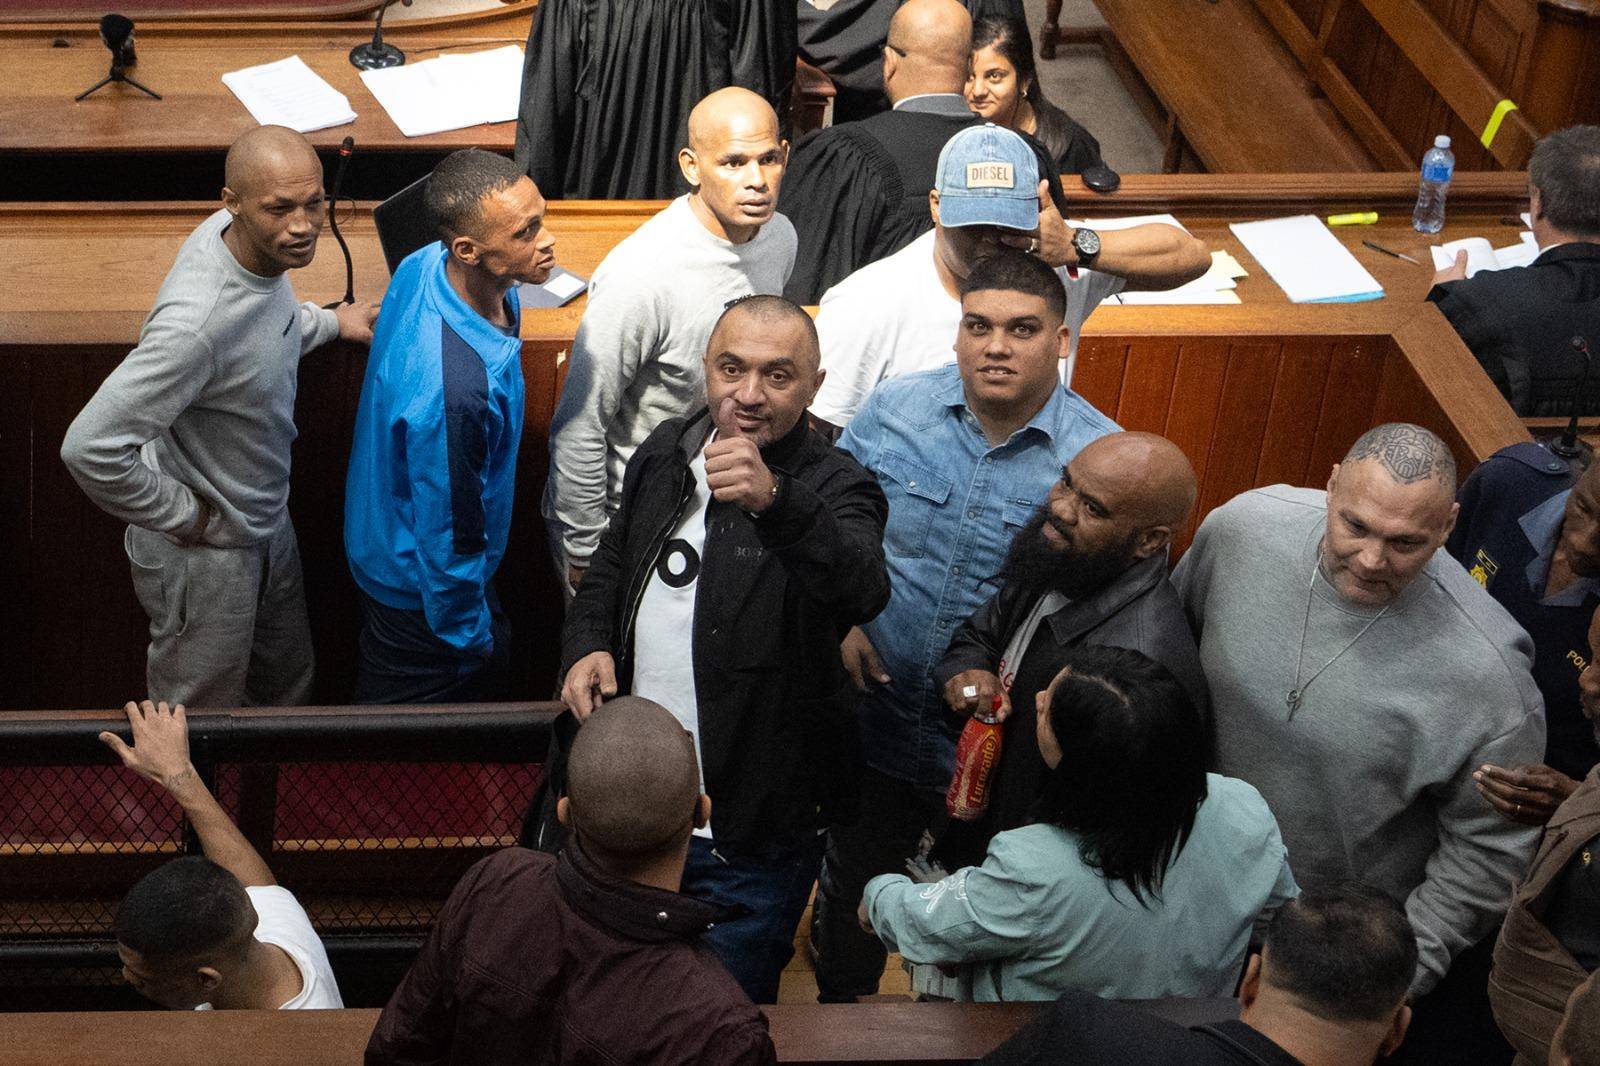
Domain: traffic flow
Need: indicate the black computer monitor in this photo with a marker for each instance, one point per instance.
(404, 223)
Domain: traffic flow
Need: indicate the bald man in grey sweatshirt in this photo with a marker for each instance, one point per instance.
(1359, 676)
(188, 439)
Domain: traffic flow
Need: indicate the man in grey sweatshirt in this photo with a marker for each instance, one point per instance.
(1359, 676)
(188, 439)
(638, 356)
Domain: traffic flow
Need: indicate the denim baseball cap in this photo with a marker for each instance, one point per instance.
(988, 176)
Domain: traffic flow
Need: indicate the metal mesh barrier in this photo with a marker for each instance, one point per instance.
(370, 818)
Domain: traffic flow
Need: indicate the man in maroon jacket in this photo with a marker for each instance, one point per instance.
(591, 956)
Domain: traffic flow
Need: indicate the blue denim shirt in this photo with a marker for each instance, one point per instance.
(955, 502)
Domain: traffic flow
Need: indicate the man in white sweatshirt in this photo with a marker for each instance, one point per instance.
(637, 359)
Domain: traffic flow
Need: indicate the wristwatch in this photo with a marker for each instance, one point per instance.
(1086, 242)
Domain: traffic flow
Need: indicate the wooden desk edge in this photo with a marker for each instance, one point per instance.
(803, 1033)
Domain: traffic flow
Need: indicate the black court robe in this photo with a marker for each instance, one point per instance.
(859, 191)
(607, 86)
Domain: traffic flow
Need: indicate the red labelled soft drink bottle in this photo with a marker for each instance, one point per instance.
(977, 753)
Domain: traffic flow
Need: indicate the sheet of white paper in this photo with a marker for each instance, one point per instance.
(450, 92)
(1124, 222)
(1307, 260)
(1228, 264)
(1480, 256)
(289, 93)
(1183, 294)
(1516, 255)
(1212, 287)
(492, 80)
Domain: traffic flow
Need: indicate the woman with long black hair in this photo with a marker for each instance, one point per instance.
(1141, 876)
(1004, 88)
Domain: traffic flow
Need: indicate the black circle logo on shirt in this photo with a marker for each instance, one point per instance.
(678, 565)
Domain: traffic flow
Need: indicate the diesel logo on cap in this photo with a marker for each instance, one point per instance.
(990, 176)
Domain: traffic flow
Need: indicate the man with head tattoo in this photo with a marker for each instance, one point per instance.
(1359, 677)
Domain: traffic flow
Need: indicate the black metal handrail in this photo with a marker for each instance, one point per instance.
(258, 740)
(484, 732)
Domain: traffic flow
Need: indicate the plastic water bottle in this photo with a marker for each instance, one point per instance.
(1437, 168)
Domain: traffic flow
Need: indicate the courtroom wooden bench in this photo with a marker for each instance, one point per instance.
(838, 1034)
(1227, 92)
(934, 1034)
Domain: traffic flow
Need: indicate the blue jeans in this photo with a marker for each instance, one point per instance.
(775, 884)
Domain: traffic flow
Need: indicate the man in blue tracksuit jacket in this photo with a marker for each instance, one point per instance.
(429, 494)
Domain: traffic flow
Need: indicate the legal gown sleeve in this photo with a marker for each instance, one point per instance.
(839, 205)
(763, 43)
(549, 73)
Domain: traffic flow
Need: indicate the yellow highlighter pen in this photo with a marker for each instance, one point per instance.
(1359, 218)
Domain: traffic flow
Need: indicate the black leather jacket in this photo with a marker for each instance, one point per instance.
(777, 593)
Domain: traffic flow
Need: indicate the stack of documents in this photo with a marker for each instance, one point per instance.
(1307, 260)
(289, 93)
(1215, 286)
(450, 92)
(1481, 256)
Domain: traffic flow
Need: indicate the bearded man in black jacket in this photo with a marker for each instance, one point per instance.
(744, 549)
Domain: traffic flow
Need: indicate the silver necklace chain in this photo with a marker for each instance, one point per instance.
(1298, 692)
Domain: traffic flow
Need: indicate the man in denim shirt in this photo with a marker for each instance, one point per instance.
(965, 454)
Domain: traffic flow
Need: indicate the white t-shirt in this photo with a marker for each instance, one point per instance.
(282, 922)
(663, 642)
(894, 317)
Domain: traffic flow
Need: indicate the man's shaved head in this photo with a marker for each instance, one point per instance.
(1118, 502)
(632, 782)
(1391, 505)
(730, 112)
(272, 186)
(264, 152)
(1408, 453)
(936, 31)
(734, 163)
(1155, 481)
(769, 312)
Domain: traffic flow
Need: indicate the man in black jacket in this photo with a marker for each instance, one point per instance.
(744, 549)
(1520, 322)
(1090, 567)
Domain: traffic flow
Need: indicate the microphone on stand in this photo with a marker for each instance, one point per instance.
(1568, 447)
(346, 149)
(375, 55)
(116, 33)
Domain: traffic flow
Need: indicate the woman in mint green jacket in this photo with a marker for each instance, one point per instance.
(1141, 876)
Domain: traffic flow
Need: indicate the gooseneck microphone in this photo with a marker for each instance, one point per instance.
(346, 149)
(1567, 447)
(375, 55)
(116, 32)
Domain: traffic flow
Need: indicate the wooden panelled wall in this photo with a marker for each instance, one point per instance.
(1259, 410)
(1248, 410)
(1415, 68)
